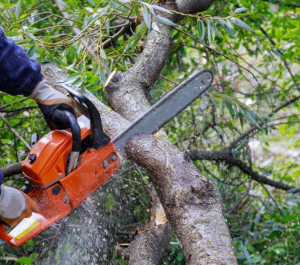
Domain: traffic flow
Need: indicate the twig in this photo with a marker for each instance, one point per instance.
(15, 132)
(272, 198)
(217, 52)
(8, 258)
(77, 32)
(110, 39)
(228, 158)
(274, 44)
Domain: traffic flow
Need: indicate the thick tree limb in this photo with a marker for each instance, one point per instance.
(126, 94)
(149, 245)
(12, 169)
(191, 202)
(227, 157)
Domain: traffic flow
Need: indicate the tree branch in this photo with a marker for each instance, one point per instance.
(191, 202)
(227, 157)
(15, 132)
(12, 169)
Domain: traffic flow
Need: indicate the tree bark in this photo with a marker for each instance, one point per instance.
(191, 202)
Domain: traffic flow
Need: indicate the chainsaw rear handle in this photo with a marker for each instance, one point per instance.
(98, 137)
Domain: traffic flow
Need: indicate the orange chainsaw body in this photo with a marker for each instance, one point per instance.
(56, 192)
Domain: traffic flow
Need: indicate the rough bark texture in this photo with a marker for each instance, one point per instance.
(148, 247)
(192, 204)
(11, 169)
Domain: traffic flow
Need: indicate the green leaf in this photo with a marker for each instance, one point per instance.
(230, 108)
(103, 54)
(147, 17)
(180, 256)
(161, 9)
(155, 27)
(31, 51)
(140, 28)
(251, 118)
(228, 27)
(240, 23)
(24, 260)
(107, 26)
(209, 30)
(18, 9)
(274, 234)
(240, 10)
(150, 7)
(165, 21)
(214, 102)
(201, 29)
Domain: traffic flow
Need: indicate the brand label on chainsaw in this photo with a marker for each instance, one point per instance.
(26, 226)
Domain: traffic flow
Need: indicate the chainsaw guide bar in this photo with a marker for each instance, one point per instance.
(166, 108)
(59, 176)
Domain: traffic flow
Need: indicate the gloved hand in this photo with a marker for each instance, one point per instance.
(14, 205)
(53, 104)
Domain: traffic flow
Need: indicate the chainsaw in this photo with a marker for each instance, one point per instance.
(65, 166)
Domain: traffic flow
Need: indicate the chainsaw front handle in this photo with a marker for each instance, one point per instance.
(76, 138)
(98, 137)
(75, 129)
(76, 142)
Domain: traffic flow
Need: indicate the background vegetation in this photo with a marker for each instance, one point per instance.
(252, 108)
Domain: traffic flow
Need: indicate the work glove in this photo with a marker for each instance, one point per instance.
(14, 205)
(53, 104)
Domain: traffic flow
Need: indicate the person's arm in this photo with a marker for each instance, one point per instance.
(14, 204)
(20, 75)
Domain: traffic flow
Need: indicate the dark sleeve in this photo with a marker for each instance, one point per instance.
(18, 73)
(1, 180)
